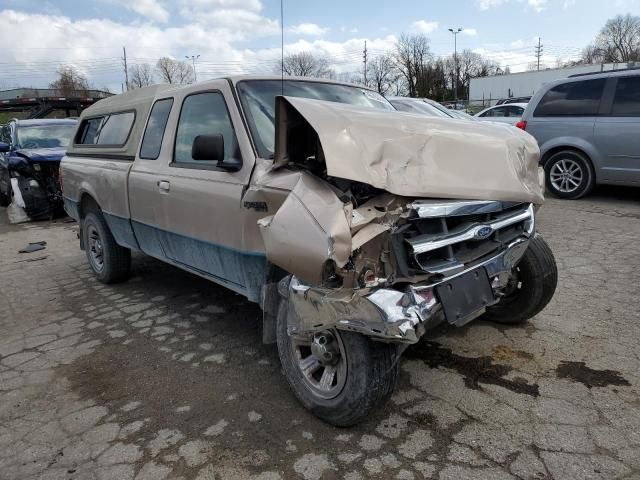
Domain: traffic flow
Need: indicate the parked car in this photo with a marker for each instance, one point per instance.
(418, 105)
(513, 100)
(353, 229)
(587, 127)
(510, 113)
(30, 154)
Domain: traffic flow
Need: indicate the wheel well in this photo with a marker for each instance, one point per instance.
(87, 204)
(555, 150)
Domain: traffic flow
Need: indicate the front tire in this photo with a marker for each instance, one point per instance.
(109, 261)
(338, 376)
(532, 286)
(569, 174)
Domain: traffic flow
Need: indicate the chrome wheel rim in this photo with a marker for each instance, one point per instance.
(95, 248)
(566, 175)
(322, 363)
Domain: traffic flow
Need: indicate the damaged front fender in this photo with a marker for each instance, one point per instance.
(308, 230)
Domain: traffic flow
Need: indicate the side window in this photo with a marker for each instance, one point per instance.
(514, 111)
(572, 99)
(205, 114)
(88, 133)
(626, 102)
(106, 130)
(153, 134)
(497, 112)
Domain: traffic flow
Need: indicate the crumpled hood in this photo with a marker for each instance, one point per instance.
(41, 154)
(418, 156)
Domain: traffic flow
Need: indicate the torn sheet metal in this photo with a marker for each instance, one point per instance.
(416, 156)
(309, 229)
(385, 313)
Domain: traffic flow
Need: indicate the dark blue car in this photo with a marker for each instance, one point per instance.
(30, 154)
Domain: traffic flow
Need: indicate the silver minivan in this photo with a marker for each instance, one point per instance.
(588, 129)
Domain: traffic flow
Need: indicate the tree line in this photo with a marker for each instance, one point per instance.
(410, 68)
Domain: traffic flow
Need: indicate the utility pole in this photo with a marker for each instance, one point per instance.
(539, 51)
(455, 63)
(126, 71)
(193, 61)
(364, 56)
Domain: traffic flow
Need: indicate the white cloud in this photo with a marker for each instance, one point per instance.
(488, 4)
(471, 32)
(81, 43)
(310, 29)
(424, 26)
(237, 19)
(537, 5)
(149, 8)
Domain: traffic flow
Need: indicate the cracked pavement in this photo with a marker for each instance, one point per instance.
(165, 376)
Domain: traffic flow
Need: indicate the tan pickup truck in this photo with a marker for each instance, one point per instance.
(354, 226)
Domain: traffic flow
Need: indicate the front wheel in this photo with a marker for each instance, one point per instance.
(532, 285)
(338, 376)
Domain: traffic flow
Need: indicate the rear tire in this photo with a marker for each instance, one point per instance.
(569, 174)
(535, 280)
(370, 372)
(109, 261)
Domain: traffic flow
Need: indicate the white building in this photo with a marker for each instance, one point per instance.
(488, 90)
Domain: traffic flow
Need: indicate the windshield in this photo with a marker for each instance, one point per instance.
(258, 98)
(44, 136)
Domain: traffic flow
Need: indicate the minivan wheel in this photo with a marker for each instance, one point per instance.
(531, 287)
(338, 376)
(109, 261)
(569, 174)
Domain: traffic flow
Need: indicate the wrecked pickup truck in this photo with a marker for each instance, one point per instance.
(355, 227)
(30, 154)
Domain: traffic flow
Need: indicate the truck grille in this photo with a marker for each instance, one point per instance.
(445, 237)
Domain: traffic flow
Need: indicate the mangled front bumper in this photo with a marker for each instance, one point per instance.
(388, 314)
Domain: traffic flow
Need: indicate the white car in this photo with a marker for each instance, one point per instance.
(510, 113)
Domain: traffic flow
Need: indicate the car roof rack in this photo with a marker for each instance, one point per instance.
(603, 72)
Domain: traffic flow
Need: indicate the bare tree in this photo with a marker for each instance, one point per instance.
(617, 42)
(70, 82)
(382, 73)
(412, 56)
(174, 71)
(140, 76)
(305, 64)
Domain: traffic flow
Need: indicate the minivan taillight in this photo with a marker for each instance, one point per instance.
(522, 124)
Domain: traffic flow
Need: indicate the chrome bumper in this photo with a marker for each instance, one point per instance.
(386, 314)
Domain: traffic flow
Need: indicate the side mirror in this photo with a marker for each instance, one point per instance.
(208, 148)
(4, 147)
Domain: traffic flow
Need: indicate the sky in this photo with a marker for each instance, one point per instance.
(244, 36)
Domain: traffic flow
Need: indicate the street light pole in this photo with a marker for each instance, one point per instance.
(455, 63)
(193, 61)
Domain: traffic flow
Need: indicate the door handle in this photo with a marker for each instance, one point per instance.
(164, 186)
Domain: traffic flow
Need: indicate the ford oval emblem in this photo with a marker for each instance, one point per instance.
(483, 232)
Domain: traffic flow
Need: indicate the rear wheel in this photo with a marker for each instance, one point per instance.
(338, 376)
(531, 287)
(109, 261)
(569, 174)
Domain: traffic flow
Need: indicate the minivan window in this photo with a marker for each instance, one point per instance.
(572, 99)
(626, 102)
(205, 114)
(153, 134)
(109, 130)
